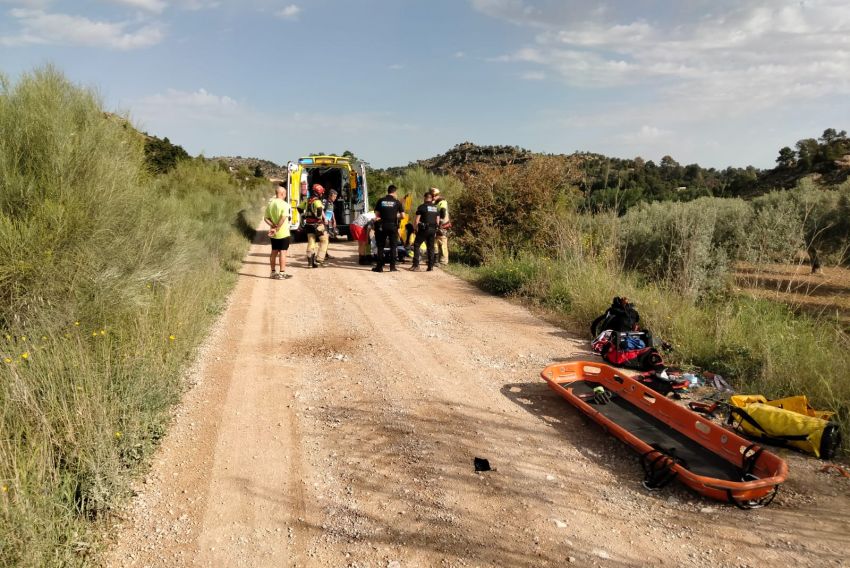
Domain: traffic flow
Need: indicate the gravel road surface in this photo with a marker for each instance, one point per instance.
(333, 419)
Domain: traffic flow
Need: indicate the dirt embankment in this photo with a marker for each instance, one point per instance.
(334, 423)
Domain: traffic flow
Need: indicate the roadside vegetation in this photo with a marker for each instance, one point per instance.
(525, 232)
(110, 274)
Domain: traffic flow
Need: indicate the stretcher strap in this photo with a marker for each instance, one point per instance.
(658, 467)
(750, 457)
(753, 503)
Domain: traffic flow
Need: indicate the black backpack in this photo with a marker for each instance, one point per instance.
(620, 317)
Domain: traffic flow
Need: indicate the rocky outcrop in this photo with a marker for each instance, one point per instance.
(269, 169)
(467, 156)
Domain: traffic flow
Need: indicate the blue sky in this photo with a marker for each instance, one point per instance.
(718, 82)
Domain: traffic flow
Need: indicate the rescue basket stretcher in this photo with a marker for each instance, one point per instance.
(673, 442)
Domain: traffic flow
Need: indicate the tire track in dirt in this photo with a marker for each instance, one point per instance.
(338, 427)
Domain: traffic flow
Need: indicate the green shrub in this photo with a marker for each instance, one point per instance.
(416, 181)
(759, 346)
(108, 280)
(776, 232)
(508, 276)
(512, 210)
(675, 243)
(161, 156)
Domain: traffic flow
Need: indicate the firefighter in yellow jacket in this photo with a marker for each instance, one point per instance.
(443, 227)
(316, 228)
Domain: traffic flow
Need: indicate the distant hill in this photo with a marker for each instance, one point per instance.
(267, 168)
(467, 157)
(621, 183)
(469, 160)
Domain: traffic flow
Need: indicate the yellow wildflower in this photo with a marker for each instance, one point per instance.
(171, 338)
(94, 334)
(117, 435)
(25, 355)
(23, 338)
(76, 323)
(5, 489)
(103, 332)
(44, 338)
(7, 360)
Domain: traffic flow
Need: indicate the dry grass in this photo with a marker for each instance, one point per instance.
(825, 295)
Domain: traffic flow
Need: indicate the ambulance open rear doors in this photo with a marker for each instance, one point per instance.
(353, 192)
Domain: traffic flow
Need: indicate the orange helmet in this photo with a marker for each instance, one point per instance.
(318, 190)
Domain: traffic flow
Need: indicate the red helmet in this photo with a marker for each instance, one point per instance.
(318, 190)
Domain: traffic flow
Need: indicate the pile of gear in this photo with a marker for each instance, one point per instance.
(621, 341)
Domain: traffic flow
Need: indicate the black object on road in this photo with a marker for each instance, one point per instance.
(481, 464)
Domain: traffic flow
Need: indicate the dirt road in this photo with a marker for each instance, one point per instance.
(336, 416)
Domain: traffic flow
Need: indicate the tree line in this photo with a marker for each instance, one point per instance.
(619, 184)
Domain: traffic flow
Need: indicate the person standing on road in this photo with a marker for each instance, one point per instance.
(387, 214)
(443, 227)
(330, 217)
(316, 228)
(425, 227)
(278, 214)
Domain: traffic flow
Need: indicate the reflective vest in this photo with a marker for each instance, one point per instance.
(312, 215)
(443, 206)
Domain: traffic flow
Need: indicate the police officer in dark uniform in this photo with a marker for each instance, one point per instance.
(425, 225)
(388, 211)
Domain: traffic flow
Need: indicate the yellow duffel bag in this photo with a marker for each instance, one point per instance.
(786, 422)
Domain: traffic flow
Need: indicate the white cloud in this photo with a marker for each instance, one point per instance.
(395, 67)
(27, 3)
(646, 134)
(756, 51)
(459, 55)
(202, 121)
(200, 100)
(291, 12)
(195, 5)
(701, 79)
(534, 75)
(40, 27)
(515, 11)
(156, 6)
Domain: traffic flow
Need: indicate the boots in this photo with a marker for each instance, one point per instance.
(311, 261)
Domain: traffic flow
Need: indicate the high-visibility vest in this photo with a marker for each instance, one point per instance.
(311, 212)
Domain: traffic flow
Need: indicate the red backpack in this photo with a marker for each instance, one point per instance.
(628, 349)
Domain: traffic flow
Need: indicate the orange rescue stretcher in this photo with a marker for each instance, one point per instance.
(673, 442)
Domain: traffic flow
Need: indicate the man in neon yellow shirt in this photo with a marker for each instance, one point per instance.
(277, 217)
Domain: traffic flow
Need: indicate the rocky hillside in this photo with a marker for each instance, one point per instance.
(269, 169)
(467, 157)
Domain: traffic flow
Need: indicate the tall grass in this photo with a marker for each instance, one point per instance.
(108, 280)
(672, 260)
(761, 346)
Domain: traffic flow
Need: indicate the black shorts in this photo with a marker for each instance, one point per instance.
(280, 244)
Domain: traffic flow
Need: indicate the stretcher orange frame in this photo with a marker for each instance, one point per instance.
(768, 470)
